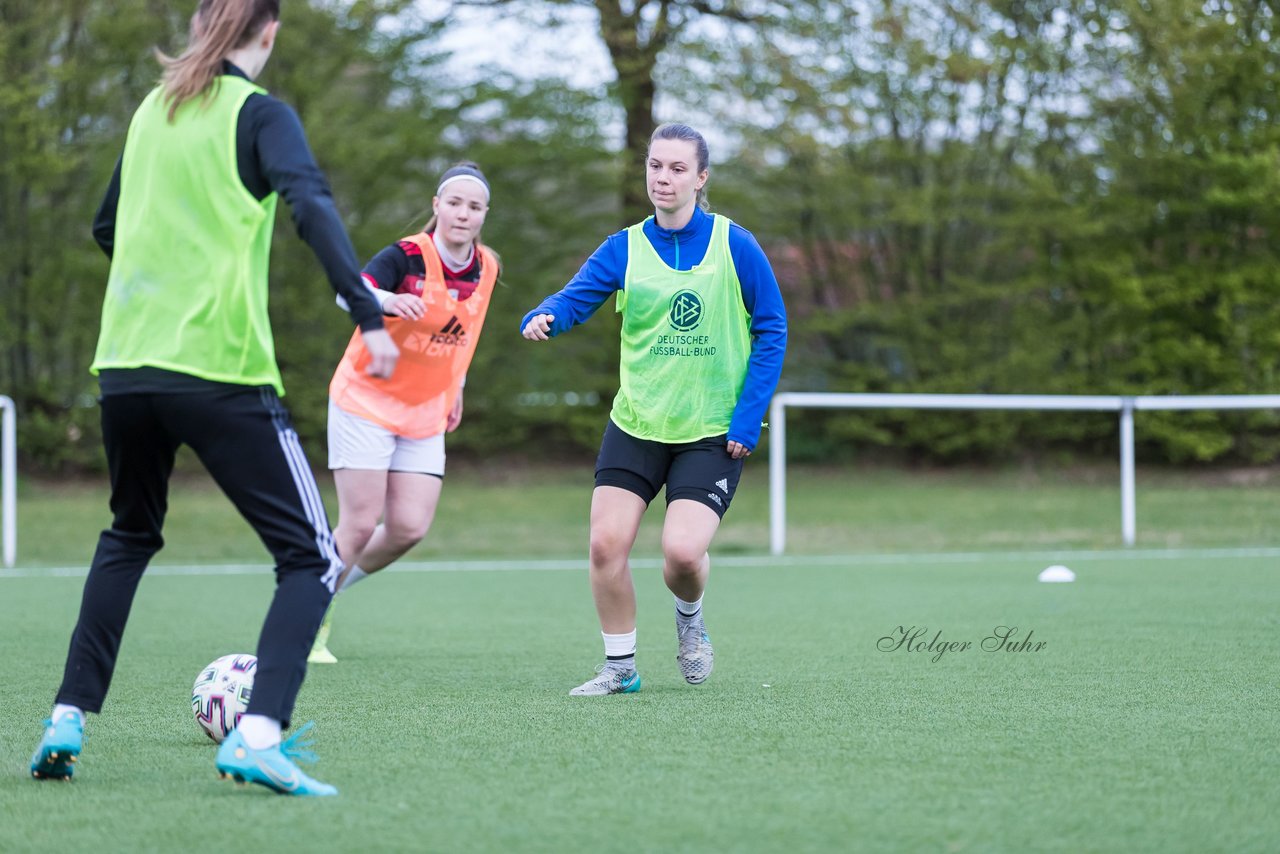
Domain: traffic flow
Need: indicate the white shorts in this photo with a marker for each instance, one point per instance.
(358, 443)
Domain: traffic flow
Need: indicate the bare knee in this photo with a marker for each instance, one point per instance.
(352, 536)
(403, 535)
(682, 559)
(608, 551)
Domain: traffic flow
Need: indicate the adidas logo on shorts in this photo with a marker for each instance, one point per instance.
(723, 485)
(715, 498)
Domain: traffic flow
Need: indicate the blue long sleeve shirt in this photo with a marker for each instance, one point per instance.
(682, 249)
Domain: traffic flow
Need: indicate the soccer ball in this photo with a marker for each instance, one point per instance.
(221, 693)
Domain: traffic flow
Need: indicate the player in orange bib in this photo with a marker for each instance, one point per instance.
(386, 437)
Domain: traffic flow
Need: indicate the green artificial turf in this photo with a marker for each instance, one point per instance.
(1146, 722)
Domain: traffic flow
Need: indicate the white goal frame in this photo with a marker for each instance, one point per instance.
(1126, 406)
(9, 479)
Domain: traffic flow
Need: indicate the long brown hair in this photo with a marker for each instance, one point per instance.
(217, 28)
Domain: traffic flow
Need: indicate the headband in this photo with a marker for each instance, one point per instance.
(460, 175)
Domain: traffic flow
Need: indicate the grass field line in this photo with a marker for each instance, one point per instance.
(784, 561)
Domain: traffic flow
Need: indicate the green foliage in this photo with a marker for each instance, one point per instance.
(1004, 198)
(554, 182)
(973, 196)
(73, 73)
(357, 75)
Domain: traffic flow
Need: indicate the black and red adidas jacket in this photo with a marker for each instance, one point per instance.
(399, 268)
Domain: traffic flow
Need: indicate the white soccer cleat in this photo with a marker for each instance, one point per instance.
(696, 657)
(608, 680)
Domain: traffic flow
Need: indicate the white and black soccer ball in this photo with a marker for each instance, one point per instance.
(221, 693)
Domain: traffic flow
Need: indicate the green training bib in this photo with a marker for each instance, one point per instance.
(187, 290)
(686, 342)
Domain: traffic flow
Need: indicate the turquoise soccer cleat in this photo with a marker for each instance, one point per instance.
(608, 680)
(273, 767)
(59, 748)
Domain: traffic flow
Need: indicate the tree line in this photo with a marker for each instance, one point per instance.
(1078, 196)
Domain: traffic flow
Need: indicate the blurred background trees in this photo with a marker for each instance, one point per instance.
(1080, 196)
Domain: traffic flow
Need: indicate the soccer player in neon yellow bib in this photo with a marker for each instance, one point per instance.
(186, 356)
(704, 332)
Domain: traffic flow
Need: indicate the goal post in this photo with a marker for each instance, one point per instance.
(9, 479)
(1123, 405)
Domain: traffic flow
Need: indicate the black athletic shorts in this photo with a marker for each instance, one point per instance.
(700, 471)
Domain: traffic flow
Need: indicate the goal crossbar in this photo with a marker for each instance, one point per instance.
(1124, 405)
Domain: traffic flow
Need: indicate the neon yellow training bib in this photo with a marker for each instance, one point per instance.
(686, 342)
(188, 285)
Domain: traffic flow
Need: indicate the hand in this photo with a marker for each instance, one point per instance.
(539, 327)
(737, 450)
(455, 415)
(408, 306)
(383, 350)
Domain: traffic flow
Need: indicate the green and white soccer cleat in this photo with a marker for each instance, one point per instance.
(320, 647)
(696, 657)
(59, 748)
(608, 680)
(273, 767)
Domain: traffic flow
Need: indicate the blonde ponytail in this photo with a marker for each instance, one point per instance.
(217, 28)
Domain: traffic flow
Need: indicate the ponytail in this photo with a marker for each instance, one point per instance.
(217, 28)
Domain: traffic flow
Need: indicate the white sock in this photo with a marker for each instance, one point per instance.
(61, 709)
(620, 650)
(688, 609)
(353, 575)
(259, 731)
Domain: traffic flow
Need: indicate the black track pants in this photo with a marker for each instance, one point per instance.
(244, 437)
